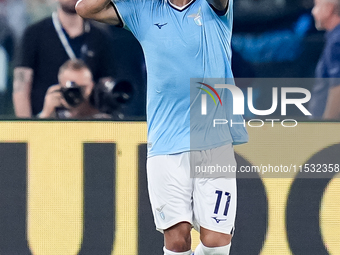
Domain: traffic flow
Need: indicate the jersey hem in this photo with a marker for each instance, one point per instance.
(226, 230)
(187, 218)
(213, 146)
(189, 149)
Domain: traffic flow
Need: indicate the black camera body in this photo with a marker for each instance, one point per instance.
(73, 94)
(110, 95)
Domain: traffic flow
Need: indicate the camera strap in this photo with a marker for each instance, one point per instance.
(62, 36)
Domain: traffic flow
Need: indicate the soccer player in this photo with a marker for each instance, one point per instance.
(184, 39)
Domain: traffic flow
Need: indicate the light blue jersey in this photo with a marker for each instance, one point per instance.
(180, 44)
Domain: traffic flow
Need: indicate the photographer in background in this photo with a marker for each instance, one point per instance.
(71, 97)
(46, 45)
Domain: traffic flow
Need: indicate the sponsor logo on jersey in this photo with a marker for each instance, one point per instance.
(218, 220)
(160, 25)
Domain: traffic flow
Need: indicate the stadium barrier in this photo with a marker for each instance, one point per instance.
(80, 188)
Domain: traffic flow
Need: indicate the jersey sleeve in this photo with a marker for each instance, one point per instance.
(26, 54)
(129, 11)
(226, 16)
(224, 12)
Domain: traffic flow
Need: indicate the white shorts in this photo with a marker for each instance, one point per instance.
(206, 202)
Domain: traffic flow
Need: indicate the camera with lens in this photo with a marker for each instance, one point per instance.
(110, 95)
(73, 94)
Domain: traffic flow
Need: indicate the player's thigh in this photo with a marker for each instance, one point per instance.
(177, 238)
(170, 189)
(214, 199)
(211, 238)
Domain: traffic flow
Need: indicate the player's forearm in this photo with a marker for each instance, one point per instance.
(100, 10)
(21, 92)
(86, 8)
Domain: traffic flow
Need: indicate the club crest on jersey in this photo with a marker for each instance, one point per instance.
(197, 17)
(160, 211)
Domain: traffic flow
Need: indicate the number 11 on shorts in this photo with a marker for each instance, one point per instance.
(218, 202)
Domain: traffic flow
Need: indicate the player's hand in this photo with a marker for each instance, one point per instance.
(53, 99)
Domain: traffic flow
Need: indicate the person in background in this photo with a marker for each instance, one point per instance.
(46, 45)
(73, 74)
(6, 53)
(278, 45)
(14, 11)
(325, 103)
(7, 38)
(3, 78)
(40, 9)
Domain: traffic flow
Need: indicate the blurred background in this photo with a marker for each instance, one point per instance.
(57, 191)
(271, 39)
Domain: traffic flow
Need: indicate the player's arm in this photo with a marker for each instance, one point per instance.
(100, 10)
(220, 5)
(22, 86)
(332, 110)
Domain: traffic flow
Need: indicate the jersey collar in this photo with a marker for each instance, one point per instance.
(182, 8)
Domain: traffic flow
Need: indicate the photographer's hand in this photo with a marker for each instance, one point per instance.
(53, 99)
